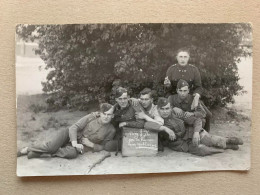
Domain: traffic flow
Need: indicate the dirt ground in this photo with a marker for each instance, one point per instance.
(34, 124)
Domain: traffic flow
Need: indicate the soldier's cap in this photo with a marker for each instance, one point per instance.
(104, 107)
(120, 91)
(162, 102)
(182, 83)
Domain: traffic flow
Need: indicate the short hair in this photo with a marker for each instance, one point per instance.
(120, 91)
(183, 50)
(146, 91)
(162, 101)
(104, 107)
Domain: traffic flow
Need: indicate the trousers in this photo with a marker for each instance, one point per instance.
(59, 146)
(209, 144)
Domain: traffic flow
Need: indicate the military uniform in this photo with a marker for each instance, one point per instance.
(87, 127)
(197, 121)
(210, 144)
(189, 72)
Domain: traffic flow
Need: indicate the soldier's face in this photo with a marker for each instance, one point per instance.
(145, 100)
(122, 100)
(165, 111)
(183, 58)
(107, 116)
(183, 92)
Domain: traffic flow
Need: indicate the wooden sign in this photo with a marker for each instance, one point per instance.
(139, 142)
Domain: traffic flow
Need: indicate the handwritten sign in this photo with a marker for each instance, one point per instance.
(139, 142)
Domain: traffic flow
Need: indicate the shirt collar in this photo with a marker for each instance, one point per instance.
(149, 108)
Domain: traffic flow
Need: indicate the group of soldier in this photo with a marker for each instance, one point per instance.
(181, 120)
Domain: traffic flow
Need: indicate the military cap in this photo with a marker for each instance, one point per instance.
(162, 102)
(182, 83)
(120, 91)
(104, 107)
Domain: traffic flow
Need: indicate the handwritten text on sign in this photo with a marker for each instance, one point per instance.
(139, 142)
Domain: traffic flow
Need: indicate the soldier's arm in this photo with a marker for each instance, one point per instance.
(197, 82)
(79, 126)
(135, 124)
(200, 112)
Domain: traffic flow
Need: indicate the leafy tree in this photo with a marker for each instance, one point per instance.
(88, 62)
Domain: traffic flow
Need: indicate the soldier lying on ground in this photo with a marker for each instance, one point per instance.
(149, 113)
(209, 144)
(92, 132)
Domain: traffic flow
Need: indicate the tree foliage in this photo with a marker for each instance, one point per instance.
(88, 62)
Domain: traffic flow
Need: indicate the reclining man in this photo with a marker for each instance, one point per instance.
(208, 145)
(92, 132)
(149, 113)
(181, 105)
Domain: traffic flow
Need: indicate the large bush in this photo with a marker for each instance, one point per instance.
(87, 62)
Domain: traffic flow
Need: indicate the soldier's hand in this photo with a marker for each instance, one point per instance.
(134, 101)
(79, 147)
(178, 112)
(167, 82)
(188, 114)
(195, 102)
(171, 134)
(86, 142)
(196, 139)
(122, 124)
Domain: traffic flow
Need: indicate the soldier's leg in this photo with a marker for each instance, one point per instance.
(207, 123)
(179, 145)
(111, 146)
(212, 140)
(53, 144)
(196, 122)
(68, 152)
(202, 150)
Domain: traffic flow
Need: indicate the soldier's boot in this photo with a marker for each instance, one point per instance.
(232, 147)
(202, 150)
(234, 141)
(32, 154)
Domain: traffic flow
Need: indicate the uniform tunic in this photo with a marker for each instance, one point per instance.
(196, 121)
(90, 127)
(180, 144)
(185, 105)
(189, 72)
(127, 115)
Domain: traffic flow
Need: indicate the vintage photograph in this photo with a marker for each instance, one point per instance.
(131, 98)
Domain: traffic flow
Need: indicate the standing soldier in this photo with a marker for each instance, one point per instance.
(190, 73)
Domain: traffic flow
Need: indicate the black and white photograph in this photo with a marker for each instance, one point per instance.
(131, 98)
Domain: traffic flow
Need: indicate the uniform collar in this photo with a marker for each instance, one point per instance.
(182, 67)
(186, 100)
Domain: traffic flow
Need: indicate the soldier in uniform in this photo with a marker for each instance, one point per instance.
(208, 145)
(190, 73)
(194, 119)
(92, 132)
